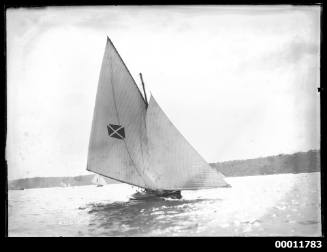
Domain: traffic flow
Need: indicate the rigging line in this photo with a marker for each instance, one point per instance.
(117, 114)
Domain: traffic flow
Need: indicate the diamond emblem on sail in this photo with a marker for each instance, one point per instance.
(116, 131)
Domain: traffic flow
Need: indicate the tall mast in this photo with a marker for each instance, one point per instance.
(145, 98)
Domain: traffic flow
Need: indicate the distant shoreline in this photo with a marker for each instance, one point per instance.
(300, 162)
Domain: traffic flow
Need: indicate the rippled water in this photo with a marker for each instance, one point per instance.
(272, 205)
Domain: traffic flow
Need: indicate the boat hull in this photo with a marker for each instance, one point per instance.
(154, 194)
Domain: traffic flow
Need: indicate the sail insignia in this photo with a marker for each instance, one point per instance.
(116, 131)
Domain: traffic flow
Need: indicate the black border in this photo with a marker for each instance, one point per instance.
(217, 242)
(322, 90)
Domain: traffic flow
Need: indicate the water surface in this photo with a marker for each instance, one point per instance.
(271, 205)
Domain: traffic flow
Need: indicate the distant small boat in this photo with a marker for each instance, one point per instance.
(99, 180)
(133, 141)
(62, 184)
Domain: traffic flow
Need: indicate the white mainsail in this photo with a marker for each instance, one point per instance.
(118, 102)
(136, 144)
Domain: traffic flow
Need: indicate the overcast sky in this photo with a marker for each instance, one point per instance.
(238, 82)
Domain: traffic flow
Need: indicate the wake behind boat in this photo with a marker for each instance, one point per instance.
(133, 141)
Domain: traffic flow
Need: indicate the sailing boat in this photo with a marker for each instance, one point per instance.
(133, 141)
(99, 180)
